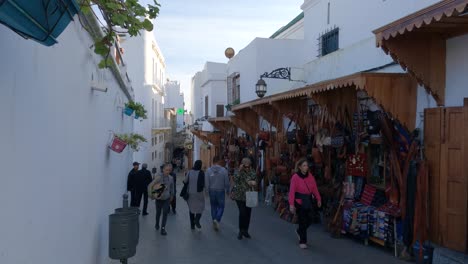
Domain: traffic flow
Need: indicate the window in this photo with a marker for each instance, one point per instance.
(156, 140)
(233, 88)
(152, 156)
(219, 110)
(328, 42)
(152, 141)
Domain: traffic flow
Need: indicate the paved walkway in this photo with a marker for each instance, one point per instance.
(273, 241)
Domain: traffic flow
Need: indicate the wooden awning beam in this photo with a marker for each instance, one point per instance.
(418, 42)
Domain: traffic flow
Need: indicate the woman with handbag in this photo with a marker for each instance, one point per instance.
(243, 180)
(303, 192)
(195, 181)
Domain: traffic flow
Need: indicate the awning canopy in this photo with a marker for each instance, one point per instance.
(395, 92)
(212, 137)
(223, 124)
(418, 42)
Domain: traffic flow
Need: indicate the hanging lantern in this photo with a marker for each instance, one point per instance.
(41, 20)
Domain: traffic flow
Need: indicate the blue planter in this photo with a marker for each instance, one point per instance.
(41, 20)
(128, 111)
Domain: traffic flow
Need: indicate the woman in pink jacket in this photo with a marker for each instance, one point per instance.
(302, 191)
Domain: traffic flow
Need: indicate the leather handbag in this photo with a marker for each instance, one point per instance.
(264, 135)
(281, 169)
(316, 155)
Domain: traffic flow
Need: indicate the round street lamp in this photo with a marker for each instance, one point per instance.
(196, 125)
(261, 88)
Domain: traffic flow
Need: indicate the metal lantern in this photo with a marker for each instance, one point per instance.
(196, 126)
(261, 88)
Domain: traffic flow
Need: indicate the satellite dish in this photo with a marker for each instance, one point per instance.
(229, 53)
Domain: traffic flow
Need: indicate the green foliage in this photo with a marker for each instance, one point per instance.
(236, 102)
(133, 140)
(121, 17)
(138, 108)
(141, 111)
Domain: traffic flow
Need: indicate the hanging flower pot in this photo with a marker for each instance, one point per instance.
(117, 144)
(136, 116)
(42, 20)
(128, 111)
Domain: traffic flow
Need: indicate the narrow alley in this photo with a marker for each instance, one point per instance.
(273, 241)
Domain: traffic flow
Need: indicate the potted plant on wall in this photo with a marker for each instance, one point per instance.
(133, 140)
(138, 108)
(130, 107)
(140, 111)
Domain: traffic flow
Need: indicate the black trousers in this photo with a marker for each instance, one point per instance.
(244, 215)
(136, 199)
(173, 204)
(304, 220)
(194, 219)
(162, 206)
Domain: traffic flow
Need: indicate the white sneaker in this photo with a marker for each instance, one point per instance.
(215, 225)
(303, 246)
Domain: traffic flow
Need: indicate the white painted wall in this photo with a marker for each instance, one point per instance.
(197, 100)
(355, 20)
(296, 31)
(59, 179)
(146, 69)
(214, 87)
(456, 71)
(265, 55)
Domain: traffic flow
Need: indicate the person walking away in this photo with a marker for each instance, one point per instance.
(142, 180)
(244, 180)
(174, 201)
(303, 190)
(217, 182)
(195, 178)
(131, 183)
(161, 189)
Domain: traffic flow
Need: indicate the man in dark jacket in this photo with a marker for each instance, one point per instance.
(131, 183)
(143, 179)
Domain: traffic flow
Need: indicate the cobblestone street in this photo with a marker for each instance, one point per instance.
(273, 241)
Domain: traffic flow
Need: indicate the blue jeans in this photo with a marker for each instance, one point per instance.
(217, 204)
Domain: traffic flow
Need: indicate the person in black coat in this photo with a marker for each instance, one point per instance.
(144, 178)
(131, 182)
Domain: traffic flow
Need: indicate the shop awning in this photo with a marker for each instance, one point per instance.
(418, 42)
(221, 123)
(212, 137)
(395, 92)
(42, 21)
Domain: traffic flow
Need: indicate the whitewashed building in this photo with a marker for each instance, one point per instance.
(208, 97)
(175, 100)
(60, 181)
(147, 70)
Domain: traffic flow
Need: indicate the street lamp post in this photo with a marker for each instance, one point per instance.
(280, 73)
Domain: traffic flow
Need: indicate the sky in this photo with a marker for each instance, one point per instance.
(190, 33)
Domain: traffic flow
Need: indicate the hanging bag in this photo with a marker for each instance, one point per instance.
(291, 135)
(251, 198)
(184, 192)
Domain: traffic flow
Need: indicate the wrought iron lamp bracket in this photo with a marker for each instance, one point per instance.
(280, 73)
